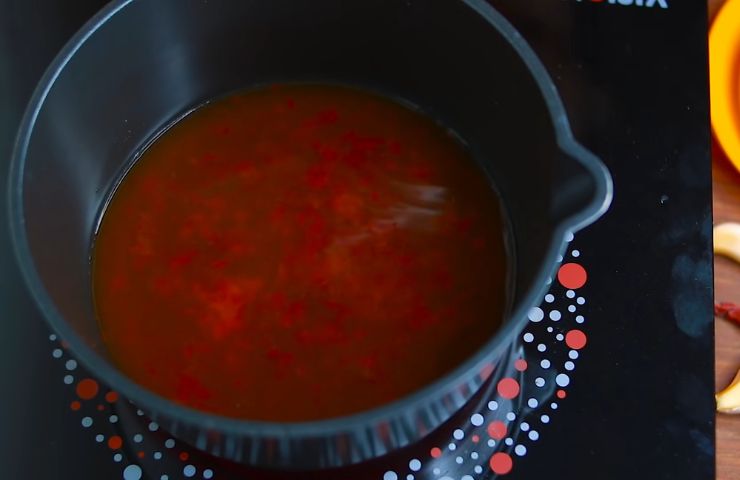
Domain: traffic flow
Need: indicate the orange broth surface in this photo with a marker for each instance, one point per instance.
(299, 252)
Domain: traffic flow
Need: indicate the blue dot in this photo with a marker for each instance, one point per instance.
(153, 427)
(157, 455)
(113, 418)
(188, 471)
(562, 380)
(71, 364)
(99, 438)
(207, 473)
(536, 314)
(117, 457)
(390, 475)
(164, 477)
(169, 443)
(138, 438)
(87, 422)
(52, 337)
(415, 465)
(56, 353)
(68, 379)
(132, 472)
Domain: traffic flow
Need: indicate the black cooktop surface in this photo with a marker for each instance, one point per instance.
(614, 377)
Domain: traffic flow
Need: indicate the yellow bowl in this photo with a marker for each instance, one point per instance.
(724, 79)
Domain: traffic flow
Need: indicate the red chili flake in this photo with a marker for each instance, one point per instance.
(722, 308)
(728, 311)
(734, 315)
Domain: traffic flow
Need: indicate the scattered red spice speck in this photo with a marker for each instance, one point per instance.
(87, 389)
(501, 463)
(722, 308)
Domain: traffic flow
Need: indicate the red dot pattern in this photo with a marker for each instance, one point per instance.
(520, 365)
(508, 388)
(501, 463)
(572, 276)
(497, 430)
(575, 339)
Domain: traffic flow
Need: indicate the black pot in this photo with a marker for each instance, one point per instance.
(141, 63)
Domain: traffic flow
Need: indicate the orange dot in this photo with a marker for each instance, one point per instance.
(501, 463)
(572, 276)
(476, 439)
(140, 454)
(520, 365)
(561, 394)
(115, 442)
(184, 456)
(497, 430)
(87, 389)
(575, 339)
(111, 397)
(435, 452)
(508, 388)
(75, 405)
(100, 408)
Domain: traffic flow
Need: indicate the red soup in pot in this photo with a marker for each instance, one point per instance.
(298, 253)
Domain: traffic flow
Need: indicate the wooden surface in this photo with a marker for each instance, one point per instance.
(727, 288)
